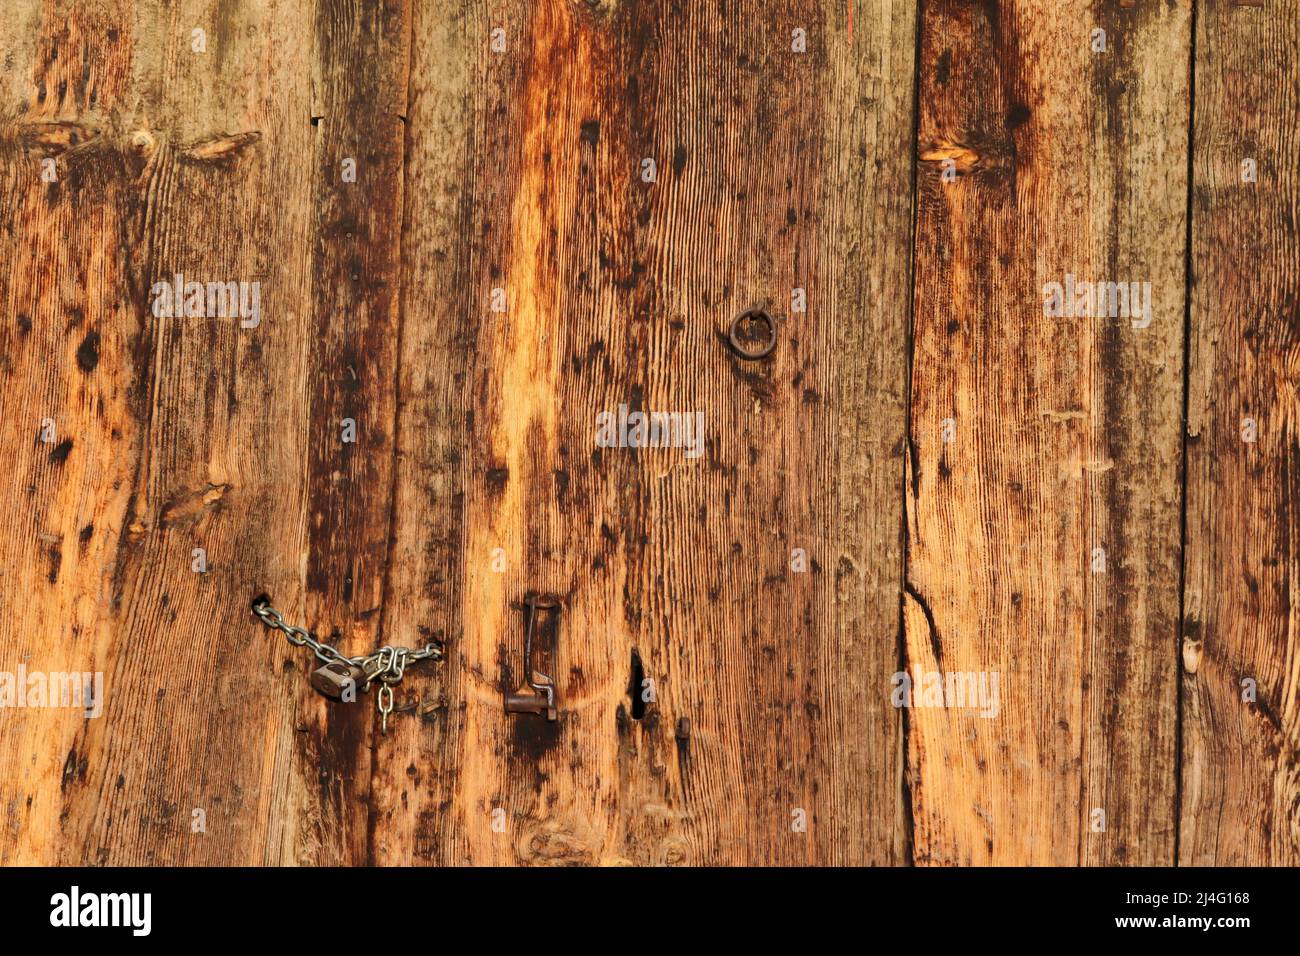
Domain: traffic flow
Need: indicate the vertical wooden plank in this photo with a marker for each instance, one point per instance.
(67, 387)
(776, 168)
(1241, 640)
(769, 570)
(420, 764)
(493, 449)
(360, 103)
(1038, 440)
(223, 457)
(866, 214)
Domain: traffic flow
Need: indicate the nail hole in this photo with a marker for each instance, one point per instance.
(261, 599)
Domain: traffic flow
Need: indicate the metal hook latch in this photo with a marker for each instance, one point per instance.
(542, 700)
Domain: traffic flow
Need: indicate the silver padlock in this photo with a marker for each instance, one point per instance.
(336, 678)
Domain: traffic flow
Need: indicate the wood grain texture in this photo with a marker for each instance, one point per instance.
(220, 459)
(1241, 756)
(618, 291)
(67, 318)
(196, 432)
(945, 458)
(359, 102)
(1062, 433)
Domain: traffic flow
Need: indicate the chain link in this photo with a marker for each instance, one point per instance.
(385, 664)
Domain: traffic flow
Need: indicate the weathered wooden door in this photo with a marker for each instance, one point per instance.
(485, 237)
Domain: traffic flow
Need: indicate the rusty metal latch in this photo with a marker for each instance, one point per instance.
(542, 699)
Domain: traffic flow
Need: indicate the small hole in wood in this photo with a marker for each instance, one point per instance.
(634, 686)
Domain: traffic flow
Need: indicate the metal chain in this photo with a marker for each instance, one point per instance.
(385, 664)
(301, 637)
